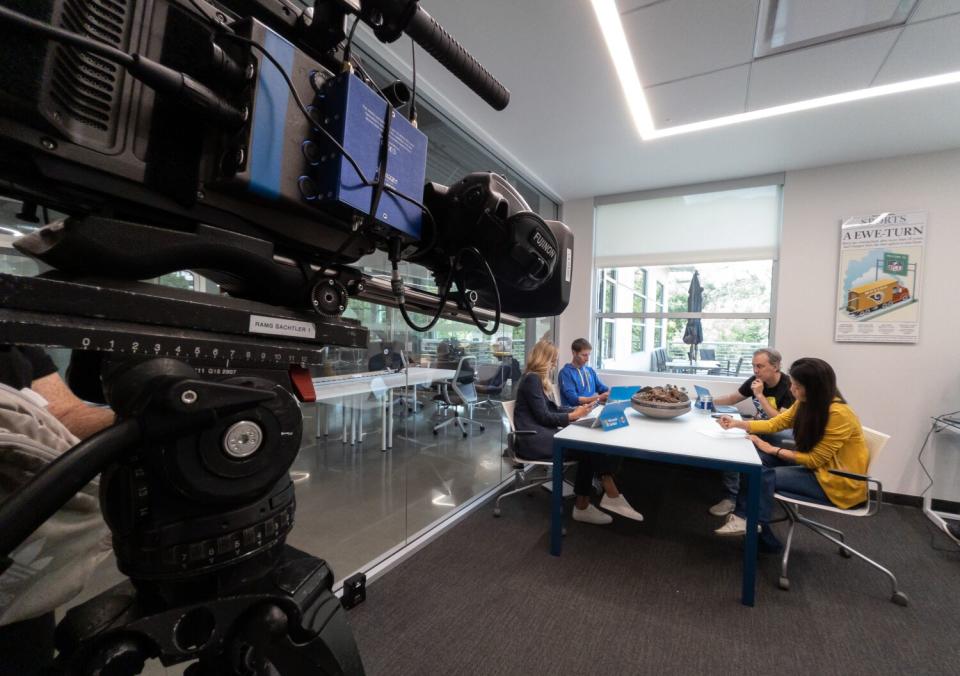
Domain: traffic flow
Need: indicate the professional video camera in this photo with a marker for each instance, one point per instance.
(145, 120)
(238, 139)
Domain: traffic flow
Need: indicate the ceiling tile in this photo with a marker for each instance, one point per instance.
(698, 98)
(629, 5)
(928, 48)
(931, 9)
(674, 40)
(820, 70)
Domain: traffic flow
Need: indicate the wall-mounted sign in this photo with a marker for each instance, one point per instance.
(878, 289)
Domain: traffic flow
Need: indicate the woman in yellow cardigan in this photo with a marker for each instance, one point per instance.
(828, 436)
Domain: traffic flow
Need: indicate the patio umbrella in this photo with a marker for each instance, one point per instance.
(693, 335)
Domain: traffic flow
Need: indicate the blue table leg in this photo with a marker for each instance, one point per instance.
(556, 520)
(750, 547)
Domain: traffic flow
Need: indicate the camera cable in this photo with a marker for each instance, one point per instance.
(169, 82)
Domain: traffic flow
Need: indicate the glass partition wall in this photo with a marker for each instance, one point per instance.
(372, 475)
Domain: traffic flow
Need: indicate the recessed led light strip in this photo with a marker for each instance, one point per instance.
(609, 18)
(616, 40)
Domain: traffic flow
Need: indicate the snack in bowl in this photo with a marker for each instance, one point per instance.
(661, 402)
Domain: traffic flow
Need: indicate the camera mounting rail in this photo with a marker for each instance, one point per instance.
(146, 320)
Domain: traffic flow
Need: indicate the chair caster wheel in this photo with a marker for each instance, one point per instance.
(464, 435)
(844, 553)
(496, 511)
(784, 584)
(436, 432)
(900, 599)
(482, 428)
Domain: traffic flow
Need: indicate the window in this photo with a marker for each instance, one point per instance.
(659, 324)
(728, 238)
(639, 306)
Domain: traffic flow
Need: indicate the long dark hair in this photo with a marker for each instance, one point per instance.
(820, 387)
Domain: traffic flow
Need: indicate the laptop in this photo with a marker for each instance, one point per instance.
(592, 420)
(622, 392)
(703, 391)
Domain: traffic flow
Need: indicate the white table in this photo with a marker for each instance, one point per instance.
(679, 441)
(684, 366)
(355, 395)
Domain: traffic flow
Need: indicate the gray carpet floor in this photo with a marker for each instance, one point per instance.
(662, 596)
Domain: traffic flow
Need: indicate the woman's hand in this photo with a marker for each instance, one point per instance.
(580, 411)
(726, 422)
(762, 445)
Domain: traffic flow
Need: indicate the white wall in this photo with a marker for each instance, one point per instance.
(893, 388)
(575, 321)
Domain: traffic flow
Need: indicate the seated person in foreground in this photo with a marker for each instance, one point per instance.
(579, 383)
(770, 390)
(828, 436)
(537, 410)
(41, 418)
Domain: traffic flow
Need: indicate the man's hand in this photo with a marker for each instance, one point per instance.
(65, 406)
(727, 422)
(603, 397)
(757, 387)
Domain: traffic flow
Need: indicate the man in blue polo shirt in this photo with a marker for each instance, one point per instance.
(579, 383)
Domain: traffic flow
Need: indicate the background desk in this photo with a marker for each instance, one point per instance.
(677, 441)
(684, 366)
(355, 395)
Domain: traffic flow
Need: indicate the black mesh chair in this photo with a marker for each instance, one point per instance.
(460, 391)
(708, 354)
(492, 378)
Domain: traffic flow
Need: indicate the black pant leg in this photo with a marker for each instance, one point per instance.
(27, 647)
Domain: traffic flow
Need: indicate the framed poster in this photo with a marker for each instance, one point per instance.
(878, 288)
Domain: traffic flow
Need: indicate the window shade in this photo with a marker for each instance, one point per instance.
(742, 224)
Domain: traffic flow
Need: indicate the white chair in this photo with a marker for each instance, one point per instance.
(460, 390)
(523, 468)
(875, 443)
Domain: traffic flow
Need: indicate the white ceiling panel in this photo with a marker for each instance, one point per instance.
(569, 130)
(820, 70)
(699, 98)
(931, 9)
(674, 40)
(928, 48)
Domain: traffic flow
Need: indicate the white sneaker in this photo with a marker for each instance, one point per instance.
(619, 505)
(591, 515)
(723, 507)
(734, 525)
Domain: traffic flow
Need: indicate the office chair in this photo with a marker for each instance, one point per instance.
(792, 504)
(491, 384)
(732, 372)
(460, 390)
(660, 359)
(522, 467)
